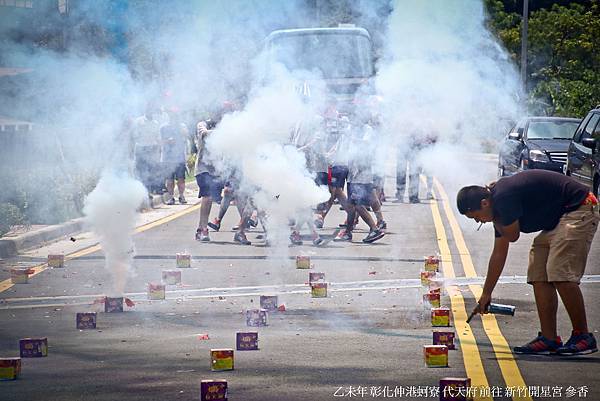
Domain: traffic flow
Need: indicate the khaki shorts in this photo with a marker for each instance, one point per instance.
(561, 254)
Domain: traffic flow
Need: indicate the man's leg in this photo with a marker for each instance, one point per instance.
(572, 298)
(170, 184)
(546, 301)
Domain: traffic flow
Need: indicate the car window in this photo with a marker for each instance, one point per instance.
(558, 129)
(577, 136)
(589, 128)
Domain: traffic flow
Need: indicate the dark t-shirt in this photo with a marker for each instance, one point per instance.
(537, 198)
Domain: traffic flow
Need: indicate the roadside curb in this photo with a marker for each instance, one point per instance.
(10, 247)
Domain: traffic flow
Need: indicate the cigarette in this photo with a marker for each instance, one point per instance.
(480, 224)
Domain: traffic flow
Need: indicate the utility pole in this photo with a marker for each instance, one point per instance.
(524, 44)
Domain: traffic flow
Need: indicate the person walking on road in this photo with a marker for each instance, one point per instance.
(174, 148)
(566, 213)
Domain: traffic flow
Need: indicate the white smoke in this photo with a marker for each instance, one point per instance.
(111, 210)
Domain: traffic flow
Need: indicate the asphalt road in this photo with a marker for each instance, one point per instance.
(365, 339)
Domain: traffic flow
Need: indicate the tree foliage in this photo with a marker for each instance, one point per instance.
(563, 55)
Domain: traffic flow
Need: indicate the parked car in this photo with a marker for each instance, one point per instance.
(536, 143)
(583, 156)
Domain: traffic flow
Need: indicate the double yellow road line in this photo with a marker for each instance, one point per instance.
(7, 284)
(470, 351)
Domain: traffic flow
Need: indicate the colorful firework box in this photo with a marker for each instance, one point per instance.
(432, 264)
(20, 276)
(433, 299)
(444, 338)
(213, 390)
(256, 317)
(315, 277)
(455, 389)
(318, 290)
(183, 260)
(221, 359)
(426, 277)
(156, 291)
(113, 305)
(436, 356)
(56, 261)
(269, 302)
(440, 317)
(302, 262)
(247, 341)
(33, 347)
(86, 320)
(171, 277)
(10, 368)
(435, 286)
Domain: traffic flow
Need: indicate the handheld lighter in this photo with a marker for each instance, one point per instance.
(497, 309)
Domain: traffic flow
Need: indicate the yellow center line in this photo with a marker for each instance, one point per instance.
(504, 356)
(6, 284)
(468, 344)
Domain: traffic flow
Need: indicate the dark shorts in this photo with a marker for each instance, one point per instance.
(322, 178)
(209, 186)
(360, 194)
(339, 174)
(174, 171)
(378, 181)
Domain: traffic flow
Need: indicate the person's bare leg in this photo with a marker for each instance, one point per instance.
(205, 206)
(180, 187)
(572, 298)
(376, 206)
(366, 216)
(170, 188)
(546, 301)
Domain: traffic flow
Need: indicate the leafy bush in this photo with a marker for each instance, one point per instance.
(10, 216)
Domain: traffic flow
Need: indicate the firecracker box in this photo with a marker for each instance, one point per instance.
(113, 305)
(426, 277)
(432, 264)
(20, 275)
(444, 338)
(10, 368)
(86, 320)
(213, 390)
(314, 277)
(435, 287)
(440, 317)
(33, 347)
(318, 290)
(269, 302)
(156, 291)
(256, 317)
(433, 299)
(183, 260)
(56, 260)
(247, 341)
(455, 389)
(171, 277)
(302, 262)
(221, 359)
(436, 356)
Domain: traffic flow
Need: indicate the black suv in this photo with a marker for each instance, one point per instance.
(583, 157)
(536, 143)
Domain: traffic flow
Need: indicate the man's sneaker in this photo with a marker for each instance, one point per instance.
(579, 344)
(215, 224)
(343, 235)
(429, 196)
(318, 241)
(182, 200)
(240, 238)
(202, 235)
(381, 225)
(414, 200)
(539, 346)
(373, 236)
(170, 201)
(252, 223)
(295, 238)
(319, 221)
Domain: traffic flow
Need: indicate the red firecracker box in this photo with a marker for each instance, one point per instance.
(455, 389)
(433, 299)
(183, 260)
(256, 317)
(171, 277)
(213, 390)
(86, 320)
(113, 305)
(247, 341)
(444, 338)
(436, 356)
(156, 291)
(318, 290)
(56, 261)
(440, 317)
(10, 368)
(315, 277)
(302, 262)
(221, 359)
(33, 347)
(269, 302)
(426, 277)
(432, 263)
(20, 275)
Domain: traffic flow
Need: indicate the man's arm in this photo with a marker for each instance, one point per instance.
(495, 267)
